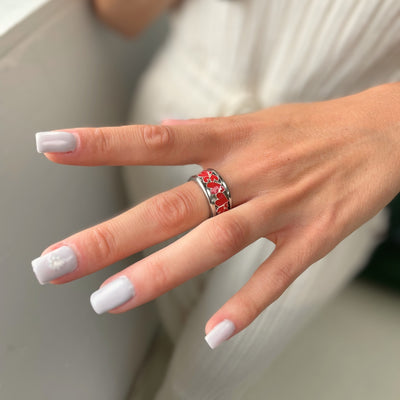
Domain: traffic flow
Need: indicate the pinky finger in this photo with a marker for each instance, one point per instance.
(268, 283)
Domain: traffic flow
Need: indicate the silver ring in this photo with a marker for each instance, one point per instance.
(215, 189)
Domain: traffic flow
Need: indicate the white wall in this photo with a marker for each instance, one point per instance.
(60, 68)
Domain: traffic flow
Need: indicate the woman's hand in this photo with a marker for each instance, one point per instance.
(302, 175)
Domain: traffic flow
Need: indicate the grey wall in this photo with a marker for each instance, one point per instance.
(61, 68)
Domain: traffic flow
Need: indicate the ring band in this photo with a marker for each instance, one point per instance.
(215, 190)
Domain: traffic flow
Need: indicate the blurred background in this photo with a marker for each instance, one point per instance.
(384, 266)
(59, 67)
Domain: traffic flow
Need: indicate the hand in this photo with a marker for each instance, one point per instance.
(302, 175)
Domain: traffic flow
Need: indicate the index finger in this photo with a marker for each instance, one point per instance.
(134, 144)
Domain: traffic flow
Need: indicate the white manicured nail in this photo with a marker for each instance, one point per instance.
(220, 333)
(55, 142)
(54, 264)
(112, 295)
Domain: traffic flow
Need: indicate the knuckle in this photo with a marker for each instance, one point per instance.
(283, 277)
(157, 137)
(311, 246)
(280, 164)
(158, 275)
(227, 235)
(171, 209)
(239, 125)
(251, 307)
(236, 128)
(101, 142)
(103, 241)
(306, 252)
(324, 234)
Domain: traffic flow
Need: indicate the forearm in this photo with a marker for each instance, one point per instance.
(129, 17)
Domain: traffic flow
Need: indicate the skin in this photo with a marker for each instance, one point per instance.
(130, 17)
(302, 175)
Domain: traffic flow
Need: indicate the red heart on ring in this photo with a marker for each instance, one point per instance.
(222, 208)
(222, 199)
(214, 177)
(215, 187)
(205, 175)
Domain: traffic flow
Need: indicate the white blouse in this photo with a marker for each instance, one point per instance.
(225, 57)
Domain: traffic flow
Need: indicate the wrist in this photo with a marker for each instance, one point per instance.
(382, 108)
(380, 113)
(370, 121)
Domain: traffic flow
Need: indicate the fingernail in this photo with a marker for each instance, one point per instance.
(54, 264)
(55, 142)
(220, 333)
(112, 295)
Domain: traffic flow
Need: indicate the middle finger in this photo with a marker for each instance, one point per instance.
(152, 221)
